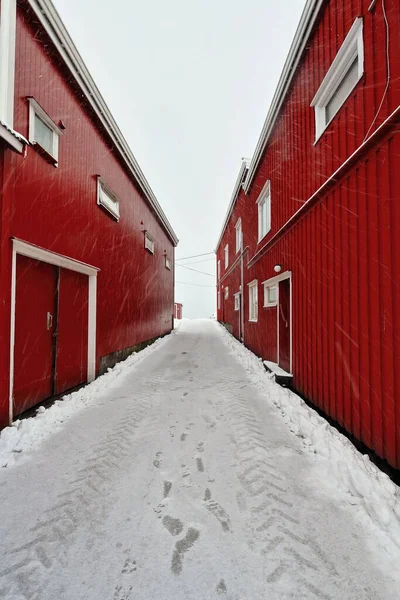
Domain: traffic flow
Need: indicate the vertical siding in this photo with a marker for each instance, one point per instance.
(345, 254)
(344, 257)
(56, 208)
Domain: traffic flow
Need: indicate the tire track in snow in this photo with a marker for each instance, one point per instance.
(275, 530)
(30, 563)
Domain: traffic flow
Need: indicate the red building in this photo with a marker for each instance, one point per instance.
(178, 310)
(309, 253)
(86, 252)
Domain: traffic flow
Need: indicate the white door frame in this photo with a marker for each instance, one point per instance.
(275, 281)
(37, 253)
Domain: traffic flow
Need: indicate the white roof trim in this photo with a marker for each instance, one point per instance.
(13, 138)
(307, 21)
(238, 185)
(55, 29)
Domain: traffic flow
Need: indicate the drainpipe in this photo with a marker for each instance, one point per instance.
(241, 296)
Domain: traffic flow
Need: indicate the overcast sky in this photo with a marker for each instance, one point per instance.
(189, 83)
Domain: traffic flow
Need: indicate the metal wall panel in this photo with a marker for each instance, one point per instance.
(344, 253)
(56, 208)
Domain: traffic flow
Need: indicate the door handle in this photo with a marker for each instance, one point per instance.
(49, 321)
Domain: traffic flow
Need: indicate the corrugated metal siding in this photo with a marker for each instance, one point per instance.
(344, 253)
(345, 260)
(56, 208)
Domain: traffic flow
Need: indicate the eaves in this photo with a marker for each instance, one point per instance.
(55, 29)
(308, 19)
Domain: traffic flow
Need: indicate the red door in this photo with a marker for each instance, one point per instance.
(34, 328)
(284, 324)
(72, 330)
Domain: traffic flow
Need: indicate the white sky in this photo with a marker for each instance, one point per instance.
(189, 83)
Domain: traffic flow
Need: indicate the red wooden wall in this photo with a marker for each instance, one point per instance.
(56, 208)
(344, 253)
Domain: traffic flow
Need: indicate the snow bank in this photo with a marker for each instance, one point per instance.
(361, 481)
(23, 435)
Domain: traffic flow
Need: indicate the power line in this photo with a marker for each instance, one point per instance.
(197, 262)
(195, 284)
(196, 271)
(195, 256)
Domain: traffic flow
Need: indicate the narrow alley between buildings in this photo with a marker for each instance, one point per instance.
(181, 479)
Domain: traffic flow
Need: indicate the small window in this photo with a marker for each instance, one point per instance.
(148, 242)
(238, 228)
(253, 301)
(167, 263)
(107, 199)
(43, 132)
(226, 256)
(219, 270)
(237, 301)
(226, 293)
(264, 211)
(219, 299)
(342, 77)
(270, 295)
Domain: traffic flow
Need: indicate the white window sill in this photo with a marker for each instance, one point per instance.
(253, 320)
(270, 305)
(45, 153)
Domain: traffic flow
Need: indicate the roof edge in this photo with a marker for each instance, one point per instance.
(236, 189)
(56, 30)
(308, 18)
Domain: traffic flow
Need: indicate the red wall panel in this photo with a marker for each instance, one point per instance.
(343, 253)
(72, 330)
(56, 208)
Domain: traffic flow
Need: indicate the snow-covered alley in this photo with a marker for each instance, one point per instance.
(186, 473)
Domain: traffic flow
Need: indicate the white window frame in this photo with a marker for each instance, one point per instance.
(36, 110)
(239, 235)
(219, 300)
(107, 199)
(267, 301)
(167, 263)
(237, 301)
(226, 255)
(219, 270)
(253, 301)
(352, 48)
(148, 242)
(226, 293)
(264, 198)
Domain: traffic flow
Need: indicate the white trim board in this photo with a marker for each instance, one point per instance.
(37, 253)
(8, 18)
(275, 281)
(11, 138)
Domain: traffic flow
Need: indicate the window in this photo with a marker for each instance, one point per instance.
(343, 75)
(270, 295)
(237, 301)
(167, 263)
(264, 211)
(148, 242)
(107, 199)
(226, 293)
(253, 301)
(219, 270)
(226, 256)
(219, 299)
(238, 228)
(43, 132)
